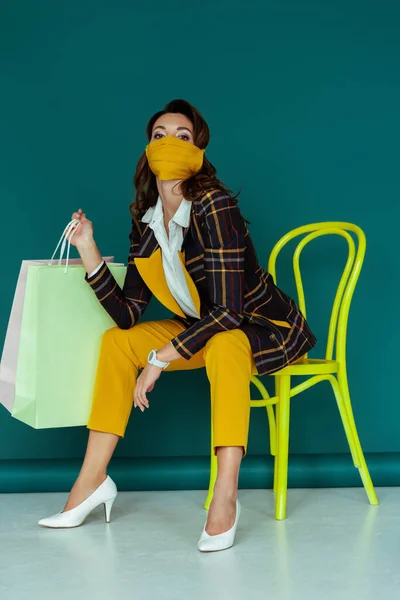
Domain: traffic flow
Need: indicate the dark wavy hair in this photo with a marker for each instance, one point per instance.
(192, 188)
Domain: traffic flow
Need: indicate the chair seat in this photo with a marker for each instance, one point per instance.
(309, 366)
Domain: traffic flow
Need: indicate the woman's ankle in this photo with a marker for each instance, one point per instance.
(91, 479)
(226, 491)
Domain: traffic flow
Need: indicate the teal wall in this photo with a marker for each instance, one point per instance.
(302, 99)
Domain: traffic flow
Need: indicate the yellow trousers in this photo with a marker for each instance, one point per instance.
(226, 356)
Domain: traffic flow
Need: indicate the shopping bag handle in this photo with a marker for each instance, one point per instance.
(64, 240)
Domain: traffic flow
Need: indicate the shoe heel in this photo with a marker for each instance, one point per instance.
(107, 508)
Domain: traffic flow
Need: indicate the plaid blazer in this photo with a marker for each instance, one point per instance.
(229, 287)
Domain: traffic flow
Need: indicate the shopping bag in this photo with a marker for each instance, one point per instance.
(61, 328)
(8, 364)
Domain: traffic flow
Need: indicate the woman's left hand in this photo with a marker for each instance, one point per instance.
(145, 383)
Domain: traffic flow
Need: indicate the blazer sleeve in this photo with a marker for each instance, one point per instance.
(224, 249)
(125, 305)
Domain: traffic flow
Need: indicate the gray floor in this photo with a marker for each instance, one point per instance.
(333, 546)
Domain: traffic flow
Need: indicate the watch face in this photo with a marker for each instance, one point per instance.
(152, 355)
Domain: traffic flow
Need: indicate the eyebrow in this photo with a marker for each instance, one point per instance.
(178, 128)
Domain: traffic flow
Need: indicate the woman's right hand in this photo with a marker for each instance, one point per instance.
(83, 232)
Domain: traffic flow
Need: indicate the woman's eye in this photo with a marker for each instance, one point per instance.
(185, 136)
(156, 134)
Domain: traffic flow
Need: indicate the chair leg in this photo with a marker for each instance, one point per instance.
(362, 466)
(283, 410)
(277, 434)
(341, 404)
(272, 430)
(213, 473)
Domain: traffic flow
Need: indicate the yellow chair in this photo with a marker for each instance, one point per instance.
(332, 368)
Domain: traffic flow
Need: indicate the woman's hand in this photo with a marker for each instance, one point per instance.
(145, 383)
(83, 232)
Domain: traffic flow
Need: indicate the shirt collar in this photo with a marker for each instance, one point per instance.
(181, 216)
(154, 213)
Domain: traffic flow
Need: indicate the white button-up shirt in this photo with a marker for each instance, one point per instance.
(170, 245)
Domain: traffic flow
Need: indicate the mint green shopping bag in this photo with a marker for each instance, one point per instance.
(61, 330)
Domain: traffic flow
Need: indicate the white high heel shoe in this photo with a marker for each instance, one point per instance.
(222, 541)
(105, 493)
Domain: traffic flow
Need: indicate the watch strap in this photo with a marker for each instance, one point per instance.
(154, 361)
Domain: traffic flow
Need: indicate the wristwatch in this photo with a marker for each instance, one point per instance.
(153, 360)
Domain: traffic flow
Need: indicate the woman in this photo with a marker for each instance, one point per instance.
(191, 248)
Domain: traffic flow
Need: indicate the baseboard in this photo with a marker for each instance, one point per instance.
(188, 473)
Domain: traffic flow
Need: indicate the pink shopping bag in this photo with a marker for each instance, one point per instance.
(9, 359)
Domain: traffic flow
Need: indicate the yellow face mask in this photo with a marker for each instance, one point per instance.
(173, 158)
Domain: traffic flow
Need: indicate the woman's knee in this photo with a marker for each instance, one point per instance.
(229, 349)
(113, 334)
(135, 342)
(227, 340)
(120, 338)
